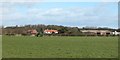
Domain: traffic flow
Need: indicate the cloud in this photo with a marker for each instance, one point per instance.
(54, 11)
(22, 13)
(55, 14)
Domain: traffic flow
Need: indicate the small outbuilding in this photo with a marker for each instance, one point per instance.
(116, 33)
(32, 32)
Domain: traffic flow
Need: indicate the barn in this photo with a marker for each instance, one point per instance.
(96, 32)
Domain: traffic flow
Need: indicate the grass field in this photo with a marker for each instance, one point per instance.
(0, 47)
(59, 47)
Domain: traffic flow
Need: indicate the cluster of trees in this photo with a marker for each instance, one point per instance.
(40, 28)
(63, 30)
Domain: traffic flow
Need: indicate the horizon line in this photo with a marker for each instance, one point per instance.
(63, 25)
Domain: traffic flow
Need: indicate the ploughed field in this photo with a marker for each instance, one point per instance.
(59, 47)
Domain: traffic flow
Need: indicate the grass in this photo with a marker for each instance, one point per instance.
(0, 47)
(60, 47)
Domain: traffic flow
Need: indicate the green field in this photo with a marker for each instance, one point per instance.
(59, 47)
(0, 47)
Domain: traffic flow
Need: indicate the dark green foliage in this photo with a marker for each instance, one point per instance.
(40, 32)
(39, 35)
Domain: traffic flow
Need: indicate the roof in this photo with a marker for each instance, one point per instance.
(95, 31)
(50, 31)
(34, 32)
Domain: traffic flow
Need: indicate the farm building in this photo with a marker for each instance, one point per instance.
(50, 31)
(32, 32)
(96, 32)
(116, 33)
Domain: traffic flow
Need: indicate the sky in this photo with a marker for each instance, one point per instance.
(79, 14)
(59, 0)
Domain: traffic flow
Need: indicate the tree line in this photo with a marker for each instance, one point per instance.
(63, 30)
